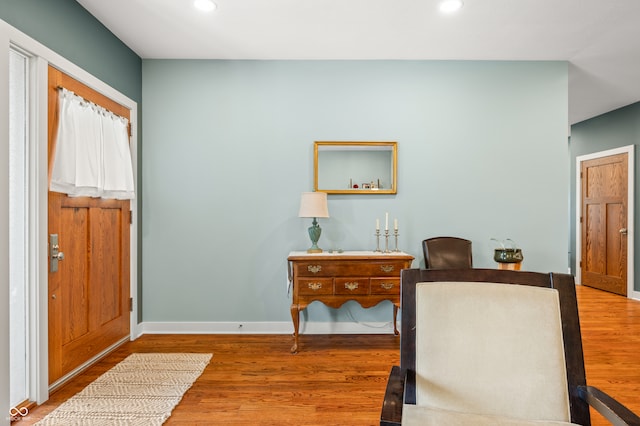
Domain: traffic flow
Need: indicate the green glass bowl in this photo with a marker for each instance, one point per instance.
(508, 255)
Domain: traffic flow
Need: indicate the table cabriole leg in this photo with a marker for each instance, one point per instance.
(295, 316)
(395, 319)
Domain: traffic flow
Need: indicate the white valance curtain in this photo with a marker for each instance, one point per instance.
(92, 156)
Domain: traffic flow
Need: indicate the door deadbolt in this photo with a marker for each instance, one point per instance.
(55, 255)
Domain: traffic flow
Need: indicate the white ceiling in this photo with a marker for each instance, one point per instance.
(599, 38)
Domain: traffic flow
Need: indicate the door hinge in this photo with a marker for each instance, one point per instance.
(131, 304)
(130, 217)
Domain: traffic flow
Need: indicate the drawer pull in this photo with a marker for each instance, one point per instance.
(314, 268)
(351, 286)
(315, 286)
(387, 268)
(387, 286)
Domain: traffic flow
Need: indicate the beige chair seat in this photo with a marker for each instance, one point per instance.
(492, 347)
(425, 416)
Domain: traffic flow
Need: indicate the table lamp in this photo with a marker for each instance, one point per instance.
(314, 204)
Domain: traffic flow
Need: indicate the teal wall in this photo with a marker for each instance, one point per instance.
(482, 153)
(69, 30)
(614, 129)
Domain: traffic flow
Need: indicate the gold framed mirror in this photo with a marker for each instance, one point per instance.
(355, 167)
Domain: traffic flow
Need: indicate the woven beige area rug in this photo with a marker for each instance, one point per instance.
(141, 390)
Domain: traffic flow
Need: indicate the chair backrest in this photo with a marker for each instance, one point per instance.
(447, 253)
(489, 359)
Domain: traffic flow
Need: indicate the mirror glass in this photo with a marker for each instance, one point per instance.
(355, 167)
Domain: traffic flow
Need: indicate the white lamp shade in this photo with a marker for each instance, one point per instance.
(313, 204)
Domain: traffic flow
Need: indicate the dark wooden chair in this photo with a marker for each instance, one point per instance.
(447, 253)
(492, 347)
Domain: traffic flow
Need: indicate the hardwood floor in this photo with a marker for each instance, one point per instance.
(340, 379)
(611, 343)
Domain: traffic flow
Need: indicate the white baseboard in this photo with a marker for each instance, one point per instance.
(285, 327)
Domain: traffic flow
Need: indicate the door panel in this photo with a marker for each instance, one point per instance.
(593, 260)
(73, 295)
(604, 223)
(106, 246)
(89, 294)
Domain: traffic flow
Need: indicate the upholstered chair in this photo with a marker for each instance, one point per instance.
(492, 347)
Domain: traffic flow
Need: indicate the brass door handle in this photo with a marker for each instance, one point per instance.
(624, 231)
(55, 255)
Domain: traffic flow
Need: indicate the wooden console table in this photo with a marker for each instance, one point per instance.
(334, 278)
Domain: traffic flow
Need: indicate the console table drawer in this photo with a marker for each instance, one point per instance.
(352, 285)
(349, 269)
(383, 269)
(310, 286)
(385, 286)
(316, 269)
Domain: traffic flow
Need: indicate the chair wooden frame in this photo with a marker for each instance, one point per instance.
(401, 385)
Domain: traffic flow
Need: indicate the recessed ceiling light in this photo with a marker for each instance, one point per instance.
(450, 6)
(204, 5)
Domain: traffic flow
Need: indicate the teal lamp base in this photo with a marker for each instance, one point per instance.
(314, 234)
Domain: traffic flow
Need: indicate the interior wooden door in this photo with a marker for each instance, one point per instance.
(89, 294)
(604, 223)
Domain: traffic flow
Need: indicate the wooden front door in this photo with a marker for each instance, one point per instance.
(89, 293)
(604, 223)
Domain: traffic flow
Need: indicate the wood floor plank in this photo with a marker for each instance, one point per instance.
(340, 379)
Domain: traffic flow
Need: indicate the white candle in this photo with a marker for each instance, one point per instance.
(386, 221)
(377, 224)
(395, 224)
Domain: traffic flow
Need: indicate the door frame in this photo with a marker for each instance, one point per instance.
(42, 57)
(629, 150)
